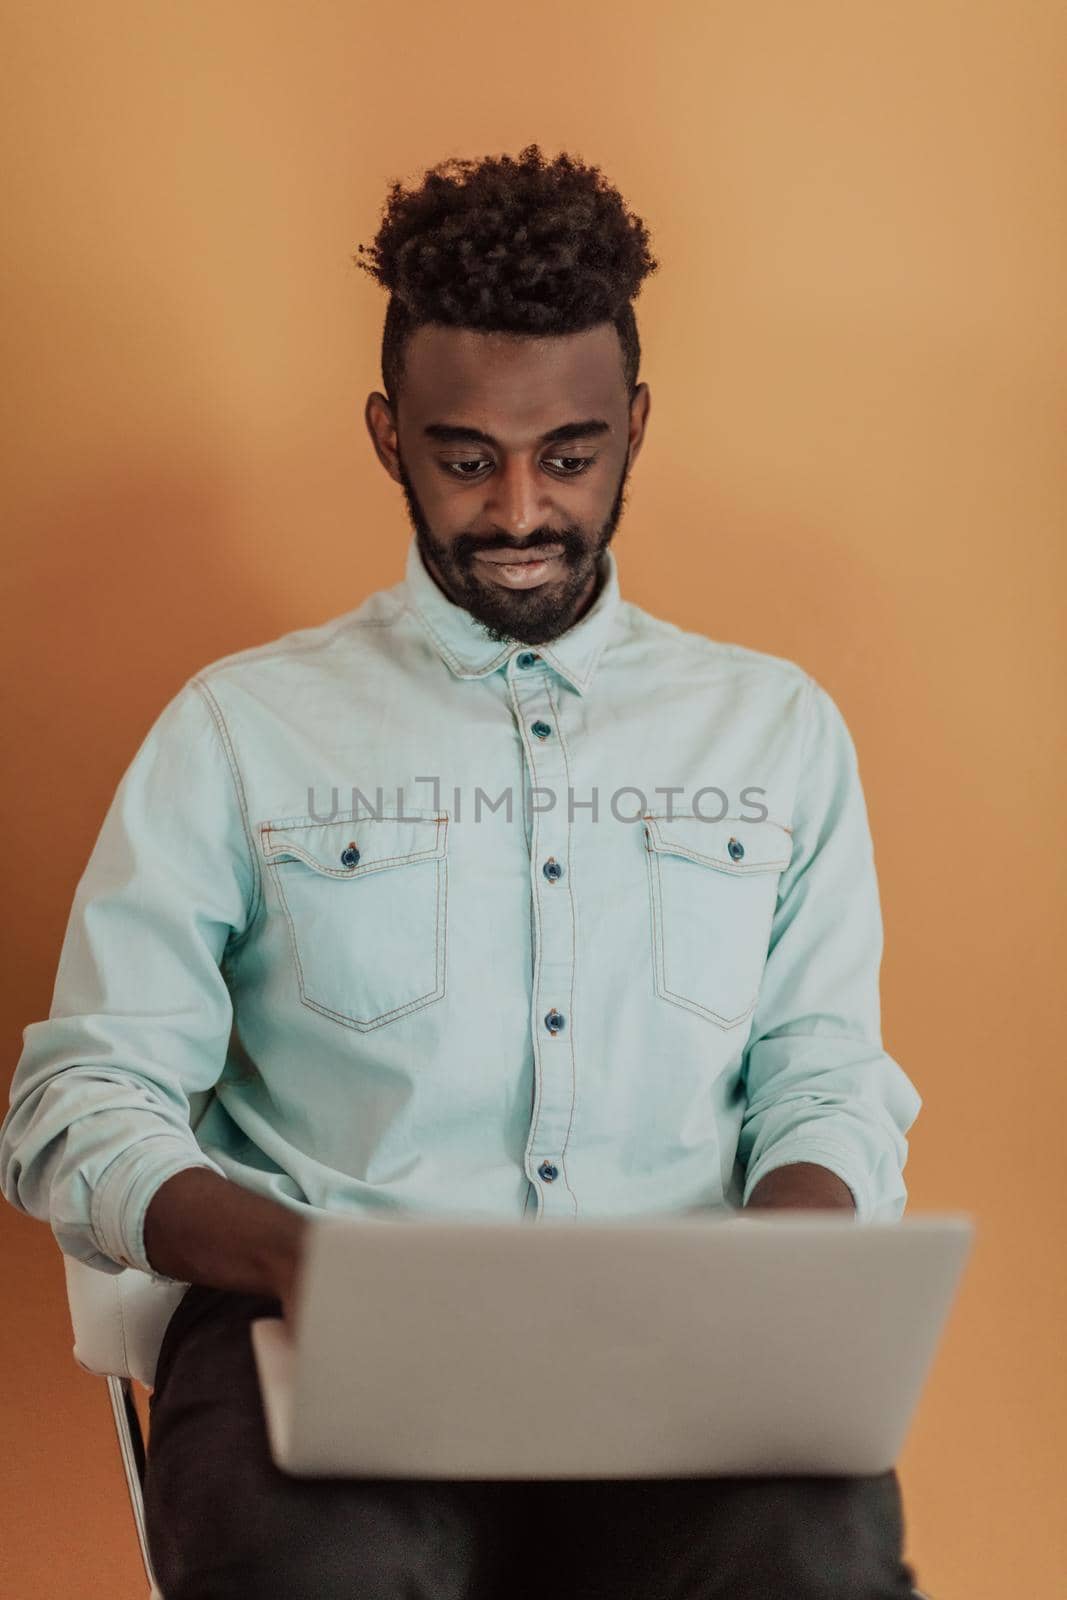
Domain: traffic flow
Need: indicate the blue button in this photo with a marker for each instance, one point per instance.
(736, 848)
(542, 729)
(526, 658)
(548, 1171)
(552, 869)
(555, 1021)
(350, 855)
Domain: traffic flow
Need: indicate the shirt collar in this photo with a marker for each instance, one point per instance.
(470, 653)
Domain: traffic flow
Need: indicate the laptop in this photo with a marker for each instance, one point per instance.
(694, 1345)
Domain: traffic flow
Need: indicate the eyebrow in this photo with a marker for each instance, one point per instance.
(449, 433)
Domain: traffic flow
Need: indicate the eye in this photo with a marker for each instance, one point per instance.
(570, 466)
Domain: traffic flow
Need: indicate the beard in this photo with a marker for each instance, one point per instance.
(517, 616)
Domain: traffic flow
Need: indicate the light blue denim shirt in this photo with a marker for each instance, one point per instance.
(386, 917)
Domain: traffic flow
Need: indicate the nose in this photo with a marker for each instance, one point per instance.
(515, 500)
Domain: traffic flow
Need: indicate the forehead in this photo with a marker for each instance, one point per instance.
(508, 384)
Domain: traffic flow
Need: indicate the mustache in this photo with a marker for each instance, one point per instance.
(574, 546)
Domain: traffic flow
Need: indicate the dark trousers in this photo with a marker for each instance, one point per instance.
(224, 1521)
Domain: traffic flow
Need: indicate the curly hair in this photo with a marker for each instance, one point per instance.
(520, 246)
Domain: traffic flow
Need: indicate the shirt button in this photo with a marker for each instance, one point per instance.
(548, 1171)
(555, 1020)
(736, 848)
(542, 729)
(526, 658)
(552, 869)
(350, 855)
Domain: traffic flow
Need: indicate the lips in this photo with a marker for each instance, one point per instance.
(512, 558)
(522, 569)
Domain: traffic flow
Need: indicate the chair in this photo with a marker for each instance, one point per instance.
(119, 1320)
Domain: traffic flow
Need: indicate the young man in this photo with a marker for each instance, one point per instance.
(495, 896)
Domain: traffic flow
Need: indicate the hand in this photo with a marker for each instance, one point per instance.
(287, 1297)
(799, 1186)
(287, 1270)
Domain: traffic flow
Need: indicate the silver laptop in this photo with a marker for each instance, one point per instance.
(693, 1345)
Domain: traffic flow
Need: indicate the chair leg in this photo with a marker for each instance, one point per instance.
(131, 1448)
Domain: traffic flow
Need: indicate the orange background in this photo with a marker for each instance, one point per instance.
(855, 346)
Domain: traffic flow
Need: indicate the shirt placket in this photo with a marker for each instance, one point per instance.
(554, 940)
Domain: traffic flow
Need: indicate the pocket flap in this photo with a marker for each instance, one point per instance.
(731, 844)
(380, 841)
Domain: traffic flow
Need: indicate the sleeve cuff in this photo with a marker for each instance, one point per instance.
(835, 1158)
(121, 1197)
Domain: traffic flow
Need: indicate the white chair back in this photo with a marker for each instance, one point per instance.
(119, 1318)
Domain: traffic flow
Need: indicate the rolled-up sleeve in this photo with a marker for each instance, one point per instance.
(820, 1086)
(141, 1013)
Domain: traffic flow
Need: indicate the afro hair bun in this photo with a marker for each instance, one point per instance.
(523, 245)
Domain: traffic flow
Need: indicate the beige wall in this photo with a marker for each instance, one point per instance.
(855, 458)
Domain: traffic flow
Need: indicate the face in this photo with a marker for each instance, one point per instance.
(508, 447)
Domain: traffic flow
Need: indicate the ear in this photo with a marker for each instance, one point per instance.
(381, 425)
(640, 404)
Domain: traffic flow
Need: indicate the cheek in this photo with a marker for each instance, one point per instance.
(446, 511)
(438, 489)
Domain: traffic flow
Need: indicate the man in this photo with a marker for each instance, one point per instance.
(495, 896)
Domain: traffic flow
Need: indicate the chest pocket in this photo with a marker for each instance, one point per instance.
(365, 899)
(713, 887)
